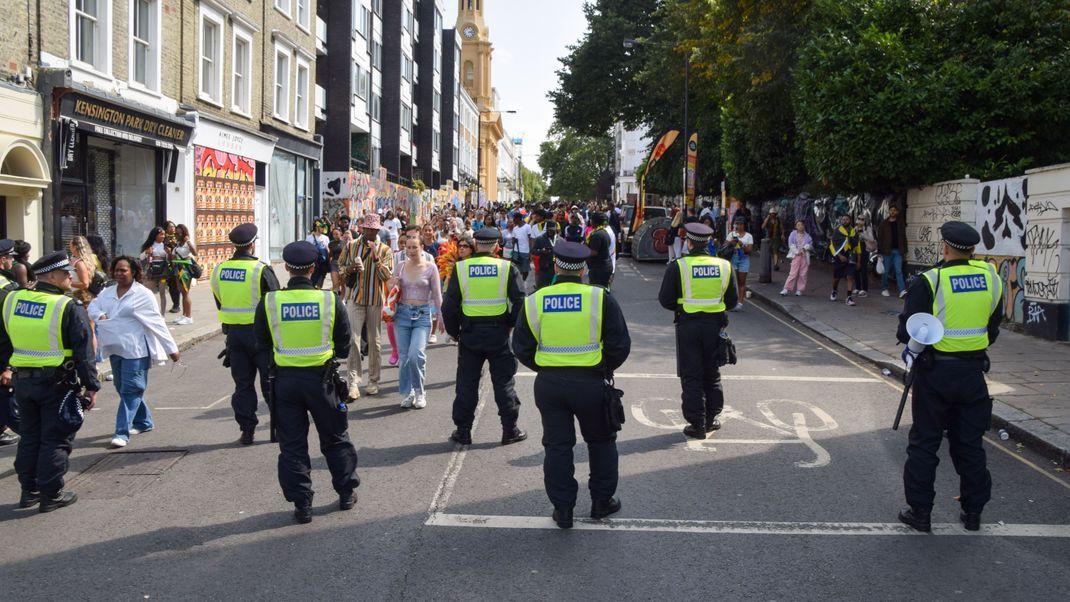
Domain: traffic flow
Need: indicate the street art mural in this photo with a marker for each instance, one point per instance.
(356, 193)
(1001, 217)
(1012, 271)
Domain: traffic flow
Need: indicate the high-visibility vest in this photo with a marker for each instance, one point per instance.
(6, 283)
(703, 281)
(566, 320)
(33, 320)
(964, 297)
(483, 283)
(301, 322)
(236, 285)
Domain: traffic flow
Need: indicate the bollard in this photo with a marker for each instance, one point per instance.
(765, 275)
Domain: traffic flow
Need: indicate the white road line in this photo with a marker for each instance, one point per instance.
(207, 407)
(744, 377)
(708, 527)
(453, 469)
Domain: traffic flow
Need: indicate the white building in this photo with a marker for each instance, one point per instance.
(508, 167)
(630, 149)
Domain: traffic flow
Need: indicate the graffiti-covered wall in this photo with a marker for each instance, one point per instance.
(355, 193)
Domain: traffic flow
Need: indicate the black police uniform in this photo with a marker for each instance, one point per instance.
(600, 264)
(543, 248)
(303, 391)
(41, 461)
(9, 413)
(479, 340)
(245, 359)
(949, 393)
(564, 395)
(698, 340)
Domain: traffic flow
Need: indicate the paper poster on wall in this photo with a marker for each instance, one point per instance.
(223, 199)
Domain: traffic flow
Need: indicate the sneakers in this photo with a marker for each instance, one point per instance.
(134, 431)
(783, 292)
(184, 321)
(407, 402)
(394, 359)
(798, 293)
(851, 302)
(863, 294)
(833, 296)
(8, 438)
(174, 310)
(118, 442)
(884, 293)
(61, 500)
(738, 307)
(433, 338)
(420, 402)
(371, 389)
(354, 392)
(902, 294)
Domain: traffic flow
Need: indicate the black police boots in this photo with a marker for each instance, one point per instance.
(246, 437)
(713, 424)
(462, 436)
(971, 520)
(919, 520)
(513, 435)
(695, 432)
(29, 498)
(603, 508)
(563, 518)
(60, 500)
(347, 501)
(303, 514)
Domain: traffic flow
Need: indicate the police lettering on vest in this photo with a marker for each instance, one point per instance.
(30, 309)
(705, 271)
(232, 275)
(968, 284)
(300, 311)
(556, 303)
(483, 271)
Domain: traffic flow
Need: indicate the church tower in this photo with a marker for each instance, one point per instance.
(476, 51)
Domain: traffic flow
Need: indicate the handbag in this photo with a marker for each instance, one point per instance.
(390, 305)
(195, 269)
(97, 283)
(157, 270)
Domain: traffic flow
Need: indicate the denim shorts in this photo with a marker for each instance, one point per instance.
(740, 264)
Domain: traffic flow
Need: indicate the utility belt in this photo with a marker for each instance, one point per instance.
(51, 372)
(930, 357)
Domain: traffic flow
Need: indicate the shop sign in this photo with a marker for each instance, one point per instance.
(115, 121)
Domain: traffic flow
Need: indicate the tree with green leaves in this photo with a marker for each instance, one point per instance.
(534, 185)
(574, 163)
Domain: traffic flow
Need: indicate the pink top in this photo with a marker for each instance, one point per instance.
(426, 287)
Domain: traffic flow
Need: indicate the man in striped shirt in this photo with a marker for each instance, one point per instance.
(370, 263)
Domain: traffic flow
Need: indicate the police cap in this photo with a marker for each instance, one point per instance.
(487, 235)
(300, 255)
(243, 235)
(571, 256)
(52, 262)
(698, 232)
(7, 247)
(960, 235)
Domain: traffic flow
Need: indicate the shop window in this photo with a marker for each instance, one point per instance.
(91, 34)
(301, 95)
(242, 86)
(282, 83)
(211, 60)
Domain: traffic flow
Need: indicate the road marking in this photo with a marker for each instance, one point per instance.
(453, 469)
(709, 527)
(207, 407)
(759, 377)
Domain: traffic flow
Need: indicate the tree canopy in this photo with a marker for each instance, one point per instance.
(574, 163)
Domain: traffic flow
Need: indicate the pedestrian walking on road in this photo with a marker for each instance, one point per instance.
(133, 335)
(370, 264)
(698, 288)
(742, 244)
(846, 257)
(306, 329)
(892, 245)
(419, 299)
(238, 285)
(950, 393)
(480, 306)
(600, 241)
(48, 362)
(574, 336)
(800, 244)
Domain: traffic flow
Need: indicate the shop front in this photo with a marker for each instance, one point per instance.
(293, 180)
(113, 163)
(229, 167)
(24, 170)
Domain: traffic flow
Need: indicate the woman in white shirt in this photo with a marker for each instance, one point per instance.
(318, 237)
(132, 332)
(156, 257)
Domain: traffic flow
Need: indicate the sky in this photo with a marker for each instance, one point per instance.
(528, 38)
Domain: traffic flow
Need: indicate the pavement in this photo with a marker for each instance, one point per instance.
(794, 499)
(1029, 379)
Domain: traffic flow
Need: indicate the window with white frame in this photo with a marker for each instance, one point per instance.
(302, 14)
(436, 138)
(91, 33)
(282, 83)
(210, 86)
(242, 62)
(406, 118)
(360, 82)
(283, 6)
(436, 102)
(377, 54)
(364, 26)
(377, 106)
(145, 43)
(301, 95)
(406, 68)
(377, 7)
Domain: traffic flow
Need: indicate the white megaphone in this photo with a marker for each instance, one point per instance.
(924, 330)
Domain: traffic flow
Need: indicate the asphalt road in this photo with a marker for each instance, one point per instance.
(794, 499)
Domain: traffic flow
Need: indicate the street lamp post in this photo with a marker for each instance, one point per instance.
(479, 149)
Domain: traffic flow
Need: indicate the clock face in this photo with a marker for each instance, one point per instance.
(469, 31)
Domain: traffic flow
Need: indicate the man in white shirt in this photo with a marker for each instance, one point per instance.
(393, 226)
(522, 235)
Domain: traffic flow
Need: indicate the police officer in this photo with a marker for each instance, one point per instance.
(238, 284)
(698, 288)
(9, 417)
(306, 329)
(481, 304)
(574, 335)
(949, 384)
(45, 338)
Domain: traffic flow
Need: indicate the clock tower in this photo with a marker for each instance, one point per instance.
(476, 51)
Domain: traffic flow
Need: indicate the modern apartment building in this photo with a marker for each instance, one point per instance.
(430, 63)
(399, 111)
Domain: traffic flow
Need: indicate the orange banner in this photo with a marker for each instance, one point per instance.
(663, 145)
(692, 160)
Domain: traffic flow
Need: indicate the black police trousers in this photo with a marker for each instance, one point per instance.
(42, 457)
(485, 342)
(562, 397)
(600, 277)
(298, 393)
(544, 278)
(245, 363)
(697, 342)
(953, 396)
(9, 410)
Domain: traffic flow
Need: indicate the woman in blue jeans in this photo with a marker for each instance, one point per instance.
(132, 333)
(419, 296)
